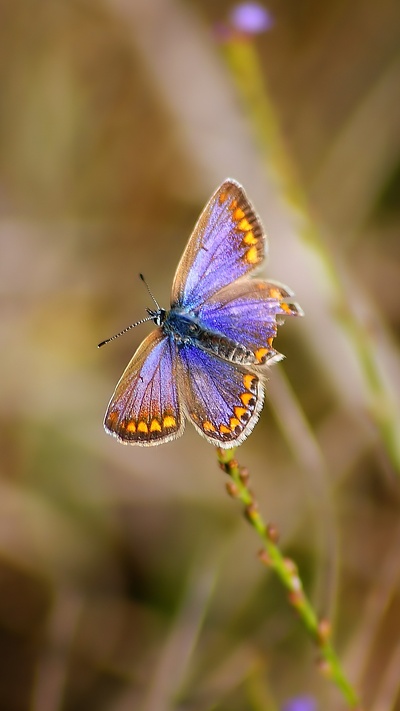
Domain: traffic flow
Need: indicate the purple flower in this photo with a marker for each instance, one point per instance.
(300, 703)
(251, 18)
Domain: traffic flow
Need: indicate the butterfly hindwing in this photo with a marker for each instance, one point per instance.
(227, 242)
(248, 312)
(144, 408)
(222, 400)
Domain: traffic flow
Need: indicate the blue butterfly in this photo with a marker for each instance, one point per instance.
(208, 357)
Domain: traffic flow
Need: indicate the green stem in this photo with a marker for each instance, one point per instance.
(287, 573)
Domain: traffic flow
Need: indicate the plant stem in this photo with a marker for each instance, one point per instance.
(287, 572)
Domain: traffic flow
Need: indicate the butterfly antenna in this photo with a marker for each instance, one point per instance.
(125, 330)
(148, 289)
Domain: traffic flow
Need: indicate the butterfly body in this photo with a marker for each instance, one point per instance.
(208, 356)
(186, 328)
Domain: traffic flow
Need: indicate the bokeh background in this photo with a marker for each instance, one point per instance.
(128, 578)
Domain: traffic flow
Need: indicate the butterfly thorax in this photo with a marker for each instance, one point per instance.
(187, 329)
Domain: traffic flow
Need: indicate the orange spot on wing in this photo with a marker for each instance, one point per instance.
(208, 426)
(222, 197)
(252, 255)
(246, 397)
(285, 307)
(112, 417)
(260, 353)
(142, 427)
(224, 430)
(131, 426)
(240, 411)
(270, 341)
(234, 422)
(275, 293)
(233, 205)
(244, 225)
(248, 381)
(169, 421)
(238, 214)
(155, 426)
(250, 238)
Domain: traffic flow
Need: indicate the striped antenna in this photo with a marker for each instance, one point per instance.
(125, 330)
(148, 289)
(152, 317)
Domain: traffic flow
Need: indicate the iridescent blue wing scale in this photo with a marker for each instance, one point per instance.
(249, 312)
(222, 400)
(227, 243)
(144, 408)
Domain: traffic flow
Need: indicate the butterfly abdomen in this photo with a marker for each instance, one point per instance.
(224, 347)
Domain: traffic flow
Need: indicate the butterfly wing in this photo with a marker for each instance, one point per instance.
(249, 312)
(144, 408)
(227, 242)
(222, 400)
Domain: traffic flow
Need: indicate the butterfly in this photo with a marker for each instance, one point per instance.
(207, 359)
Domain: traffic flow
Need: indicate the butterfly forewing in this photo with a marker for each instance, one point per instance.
(227, 242)
(222, 400)
(144, 408)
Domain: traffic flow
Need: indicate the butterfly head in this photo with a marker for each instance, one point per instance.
(158, 316)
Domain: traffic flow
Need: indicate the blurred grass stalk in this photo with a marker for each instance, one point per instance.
(287, 573)
(243, 63)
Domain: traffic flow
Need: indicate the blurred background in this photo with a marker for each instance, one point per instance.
(128, 578)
